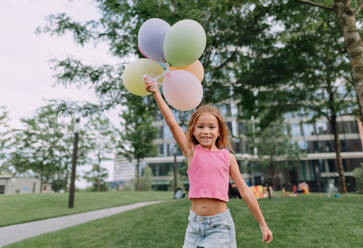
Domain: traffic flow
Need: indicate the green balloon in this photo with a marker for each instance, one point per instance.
(184, 43)
(133, 75)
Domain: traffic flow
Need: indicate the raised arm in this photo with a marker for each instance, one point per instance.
(176, 130)
(250, 199)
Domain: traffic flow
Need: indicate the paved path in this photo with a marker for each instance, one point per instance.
(15, 233)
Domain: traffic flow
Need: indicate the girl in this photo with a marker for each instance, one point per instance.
(209, 167)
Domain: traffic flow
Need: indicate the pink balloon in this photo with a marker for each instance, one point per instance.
(182, 90)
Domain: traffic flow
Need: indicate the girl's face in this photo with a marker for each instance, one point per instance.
(206, 130)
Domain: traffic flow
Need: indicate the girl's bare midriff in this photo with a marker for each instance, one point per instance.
(208, 206)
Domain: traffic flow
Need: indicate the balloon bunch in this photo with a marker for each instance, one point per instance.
(171, 60)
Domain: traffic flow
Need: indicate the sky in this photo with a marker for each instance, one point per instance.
(26, 77)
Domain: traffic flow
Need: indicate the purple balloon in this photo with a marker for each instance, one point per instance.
(151, 38)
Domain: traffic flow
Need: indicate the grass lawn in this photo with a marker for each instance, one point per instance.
(29, 207)
(303, 221)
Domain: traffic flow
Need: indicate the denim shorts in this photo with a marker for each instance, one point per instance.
(215, 231)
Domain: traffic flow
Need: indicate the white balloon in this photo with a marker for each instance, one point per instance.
(182, 90)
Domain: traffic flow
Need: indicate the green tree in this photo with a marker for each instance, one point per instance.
(101, 139)
(5, 138)
(274, 148)
(119, 24)
(44, 147)
(254, 64)
(97, 177)
(237, 62)
(310, 71)
(358, 174)
(138, 133)
(325, 83)
(347, 14)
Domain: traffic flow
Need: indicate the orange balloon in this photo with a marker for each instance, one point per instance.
(196, 68)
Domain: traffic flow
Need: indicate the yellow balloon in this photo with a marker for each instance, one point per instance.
(133, 75)
(196, 68)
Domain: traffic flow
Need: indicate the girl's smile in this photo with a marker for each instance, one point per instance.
(206, 131)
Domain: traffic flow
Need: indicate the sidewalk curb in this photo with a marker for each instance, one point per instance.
(18, 232)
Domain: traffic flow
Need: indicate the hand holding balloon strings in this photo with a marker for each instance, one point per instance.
(151, 84)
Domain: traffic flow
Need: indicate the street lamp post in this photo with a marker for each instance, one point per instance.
(74, 164)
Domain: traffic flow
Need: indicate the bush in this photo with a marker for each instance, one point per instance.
(128, 188)
(358, 174)
(58, 185)
(147, 179)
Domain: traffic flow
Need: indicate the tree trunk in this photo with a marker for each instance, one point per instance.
(66, 179)
(41, 178)
(317, 175)
(287, 179)
(175, 172)
(272, 168)
(339, 167)
(138, 175)
(353, 44)
(99, 159)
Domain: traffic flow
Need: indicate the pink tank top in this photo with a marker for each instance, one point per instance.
(209, 174)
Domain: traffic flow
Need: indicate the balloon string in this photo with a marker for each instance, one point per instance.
(164, 74)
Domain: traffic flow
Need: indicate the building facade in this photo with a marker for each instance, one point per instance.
(317, 168)
(21, 185)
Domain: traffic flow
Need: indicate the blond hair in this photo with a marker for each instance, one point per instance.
(223, 141)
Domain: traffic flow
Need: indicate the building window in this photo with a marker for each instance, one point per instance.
(225, 109)
(161, 150)
(237, 146)
(331, 164)
(295, 129)
(348, 127)
(228, 109)
(242, 128)
(313, 147)
(289, 116)
(303, 145)
(308, 129)
(340, 127)
(351, 145)
(2, 189)
(178, 151)
(351, 164)
(161, 169)
(160, 134)
(158, 116)
(229, 124)
(168, 151)
(328, 146)
(167, 133)
(322, 127)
